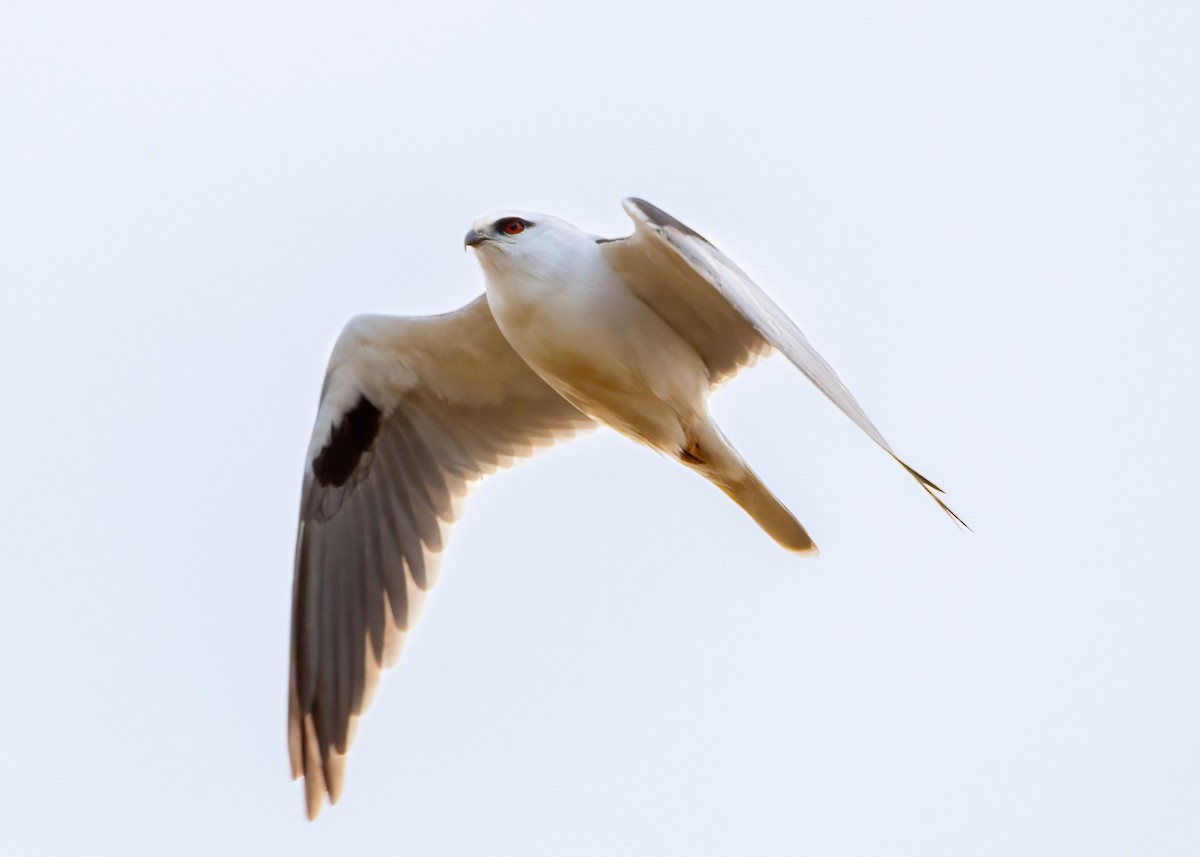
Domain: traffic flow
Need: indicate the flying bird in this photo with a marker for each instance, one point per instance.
(574, 331)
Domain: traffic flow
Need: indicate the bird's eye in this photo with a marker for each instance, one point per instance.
(512, 226)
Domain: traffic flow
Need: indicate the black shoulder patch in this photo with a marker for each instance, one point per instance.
(351, 438)
(661, 218)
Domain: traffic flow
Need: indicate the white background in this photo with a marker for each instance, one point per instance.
(985, 215)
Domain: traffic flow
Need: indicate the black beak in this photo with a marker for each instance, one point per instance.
(474, 238)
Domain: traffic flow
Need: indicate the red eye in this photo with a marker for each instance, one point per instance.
(513, 226)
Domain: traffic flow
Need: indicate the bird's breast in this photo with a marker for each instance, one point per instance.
(601, 347)
(558, 327)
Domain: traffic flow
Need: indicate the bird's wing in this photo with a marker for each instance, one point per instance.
(721, 312)
(413, 411)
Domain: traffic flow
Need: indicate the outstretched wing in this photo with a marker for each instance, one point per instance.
(413, 411)
(725, 316)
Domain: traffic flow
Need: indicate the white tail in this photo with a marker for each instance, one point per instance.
(780, 524)
(710, 455)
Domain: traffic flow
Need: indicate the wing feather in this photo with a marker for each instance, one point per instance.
(413, 412)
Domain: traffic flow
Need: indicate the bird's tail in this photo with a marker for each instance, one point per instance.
(713, 457)
(766, 510)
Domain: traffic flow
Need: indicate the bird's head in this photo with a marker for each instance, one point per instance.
(510, 242)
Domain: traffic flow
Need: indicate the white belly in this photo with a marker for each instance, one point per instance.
(607, 353)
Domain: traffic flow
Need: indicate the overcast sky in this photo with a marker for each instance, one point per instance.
(985, 215)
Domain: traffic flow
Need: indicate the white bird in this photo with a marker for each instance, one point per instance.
(574, 330)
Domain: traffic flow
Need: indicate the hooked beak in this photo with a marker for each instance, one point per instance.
(474, 238)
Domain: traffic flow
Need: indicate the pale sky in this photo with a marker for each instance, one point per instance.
(984, 215)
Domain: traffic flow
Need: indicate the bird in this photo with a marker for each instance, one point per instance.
(573, 331)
